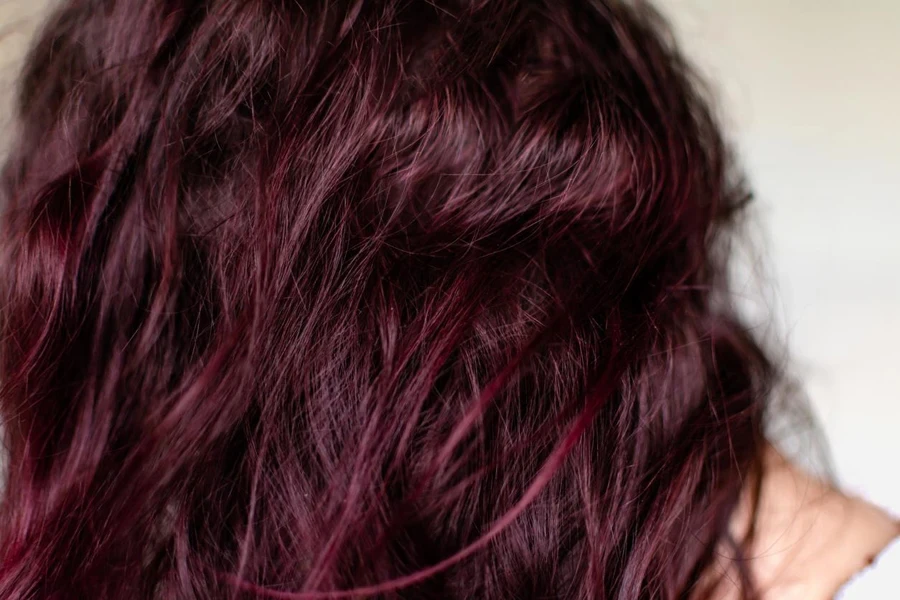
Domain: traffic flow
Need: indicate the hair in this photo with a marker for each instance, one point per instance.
(395, 299)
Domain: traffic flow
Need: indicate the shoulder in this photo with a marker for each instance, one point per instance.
(809, 537)
(874, 581)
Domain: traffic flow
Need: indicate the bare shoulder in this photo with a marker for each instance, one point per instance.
(810, 538)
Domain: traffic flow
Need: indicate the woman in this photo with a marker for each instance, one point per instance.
(386, 299)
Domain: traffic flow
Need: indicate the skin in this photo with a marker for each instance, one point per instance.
(811, 538)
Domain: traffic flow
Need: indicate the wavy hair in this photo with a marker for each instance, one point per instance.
(369, 298)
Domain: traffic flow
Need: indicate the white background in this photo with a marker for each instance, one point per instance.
(811, 92)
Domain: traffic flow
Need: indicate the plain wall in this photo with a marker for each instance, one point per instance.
(811, 92)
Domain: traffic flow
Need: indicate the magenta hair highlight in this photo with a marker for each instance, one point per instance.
(357, 298)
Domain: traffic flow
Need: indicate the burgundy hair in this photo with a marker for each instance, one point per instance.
(372, 298)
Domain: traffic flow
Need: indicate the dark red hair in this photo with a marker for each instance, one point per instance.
(374, 298)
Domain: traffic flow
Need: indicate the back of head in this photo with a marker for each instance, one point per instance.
(411, 299)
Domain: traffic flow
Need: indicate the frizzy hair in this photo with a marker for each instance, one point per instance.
(370, 298)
